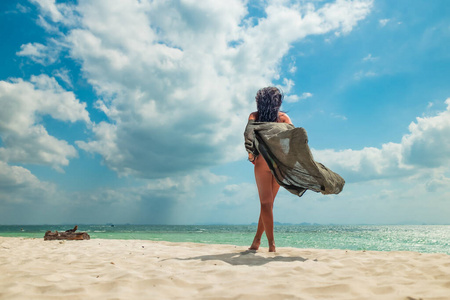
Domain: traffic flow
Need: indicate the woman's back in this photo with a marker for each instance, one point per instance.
(282, 117)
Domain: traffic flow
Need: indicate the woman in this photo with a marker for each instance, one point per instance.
(268, 102)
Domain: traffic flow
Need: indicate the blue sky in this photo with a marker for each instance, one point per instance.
(134, 111)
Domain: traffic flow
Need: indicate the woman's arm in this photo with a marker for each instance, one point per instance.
(251, 157)
(284, 118)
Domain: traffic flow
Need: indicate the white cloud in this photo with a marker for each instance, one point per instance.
(231, 189)
(23, 103)
(428, 144)
(22, 9)
(181, 186)
(63, 74)
(17, 185)
(57, 12)
(178, 79)
(54, 15)
(383, 22)
(39, 53)
(238, 195)
(287, 85)
(369, 57)
(296, 98)
(362, 74)
(426, 147)
(18, 9)
(438, 183)
(49, 7)
(43, 54)
(32, 49)
(338, 116)
(292, 67)
(291, 98)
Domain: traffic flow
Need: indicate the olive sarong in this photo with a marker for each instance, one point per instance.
(286, 151)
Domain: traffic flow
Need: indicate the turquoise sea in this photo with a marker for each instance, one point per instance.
(419, 238)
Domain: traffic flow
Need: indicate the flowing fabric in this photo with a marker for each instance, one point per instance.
(286, 151)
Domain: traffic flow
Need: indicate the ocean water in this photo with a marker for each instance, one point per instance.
(418, 238)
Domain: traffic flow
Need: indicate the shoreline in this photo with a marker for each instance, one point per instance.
(423, 239)
(141, 269)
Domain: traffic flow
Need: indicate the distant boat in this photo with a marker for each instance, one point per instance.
(112, 225)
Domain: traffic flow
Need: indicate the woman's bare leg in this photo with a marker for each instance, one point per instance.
(267, 192)
(275, 188)
(258, 235)
(260, 230)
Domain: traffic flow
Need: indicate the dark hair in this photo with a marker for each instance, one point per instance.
(268, 102)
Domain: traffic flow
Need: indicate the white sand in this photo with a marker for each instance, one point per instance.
(133, 269)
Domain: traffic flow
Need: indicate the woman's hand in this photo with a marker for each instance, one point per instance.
(251, 158)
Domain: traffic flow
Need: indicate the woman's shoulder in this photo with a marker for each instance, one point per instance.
(253, 116)
(284, 118)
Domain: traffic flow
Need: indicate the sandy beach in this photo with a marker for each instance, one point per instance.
(134, 269)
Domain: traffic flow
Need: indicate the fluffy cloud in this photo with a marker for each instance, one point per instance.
(427, 146)
(288, 84)
(57, 12)
(383, 22)
(177, 79)
(37, 52)
(363, 74)
(296, 98)
(41, 54)
(182, 186)
(17, 185)
(234, 194)
(23, 104)
(437, 183)
(370, 58)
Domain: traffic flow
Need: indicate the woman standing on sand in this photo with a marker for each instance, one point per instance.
(268, 103)
(282, 157)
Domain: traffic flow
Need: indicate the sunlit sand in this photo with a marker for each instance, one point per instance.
(134, 269)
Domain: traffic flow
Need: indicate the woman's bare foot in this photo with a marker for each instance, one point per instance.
(255, 244)
(272, 247)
